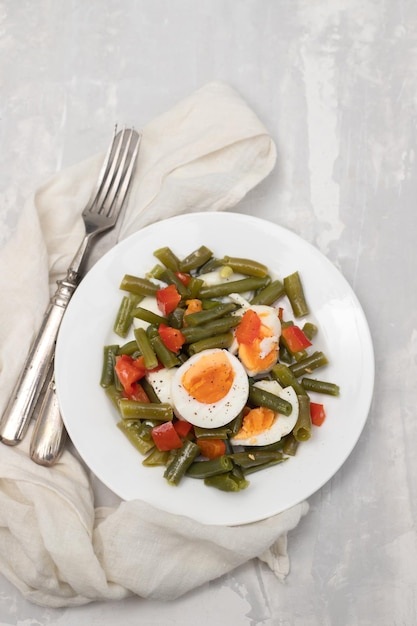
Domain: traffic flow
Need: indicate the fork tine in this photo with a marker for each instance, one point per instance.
(114, 169)
(102, 173)
(124, 175)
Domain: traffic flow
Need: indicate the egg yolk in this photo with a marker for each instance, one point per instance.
(255, 422)
(253, 355)
(209, 379)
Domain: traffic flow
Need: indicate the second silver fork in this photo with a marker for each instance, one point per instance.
(100, 215)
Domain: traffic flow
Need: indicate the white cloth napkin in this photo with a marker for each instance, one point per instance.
(55, 546)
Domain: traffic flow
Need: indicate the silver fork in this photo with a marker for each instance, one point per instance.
(99, 215)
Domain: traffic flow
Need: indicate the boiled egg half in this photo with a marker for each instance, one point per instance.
(262, 426)
(210, 388)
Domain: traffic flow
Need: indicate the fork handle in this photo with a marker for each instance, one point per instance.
(49, 434)
(25, 395)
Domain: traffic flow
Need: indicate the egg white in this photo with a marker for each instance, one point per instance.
(161, 381)
(282, 425)
(216, 414)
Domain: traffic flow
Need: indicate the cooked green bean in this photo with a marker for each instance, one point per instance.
(131, 409)
(224, 340)
(109, 359)
(145, 346)
(216, 327)
(165, 356)
(286, 378)
(302, 428)
(149, 316)
(114, 395)
(155, 458)
(245, 266)
(290, 445)
(294, 290)
(310, 363)
(168, 258)
(170, 277)
(133, 433)
(138, 286)
(260, 397)
(269, 294)
(211, 467)
(196, 259)
(310, 330)
(156, 272)
(321, 386)
(194, 286)
(128, 348)
(226, 482)
(234, 286)
(252, 458)
(175, 319)
(150, 391)
(212, 433)
(123, 319)
(181, 461)
(209, 315)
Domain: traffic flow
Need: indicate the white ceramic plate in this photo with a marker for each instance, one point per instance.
(344, 337)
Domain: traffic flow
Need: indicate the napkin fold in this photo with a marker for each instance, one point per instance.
(56, 546)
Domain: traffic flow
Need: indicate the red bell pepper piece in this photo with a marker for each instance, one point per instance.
(137, 393)
(184, 278)
(183, 428)
(129, 371)
(172, 337)
(248, 328)
(166, 437)
(295, 339)
(167, 299)
(317, 413)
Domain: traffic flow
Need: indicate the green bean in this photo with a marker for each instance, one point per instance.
(286, 378)
(168, 258)
(145, 346)
(138, 286)
(302, 428)
(260, 397)
(194, 286)
(170, 277)
(269, 294)
(165, 356)
(224, 340)
(284, 354)
(252, 458)
(212, 467)
(216, 327)
(175, 319)
(320, 386)
(211, 265)
(245, 266)
(109, 360)
(155, 458)
(156, 272)
(235, 425)
(128, 348)
(310, 363)
(209, 315)
(133, 433)
(226, 482)
(259, 468)
(181, 461)
(290, 445)
(234, 286)
(150, 391)
(196, 259)
(149, 316)
(212, 433)
(114, 395)
(123, 319)
(310, 330)
(131, 409)
(294, 290)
